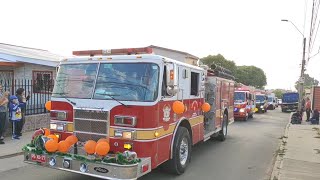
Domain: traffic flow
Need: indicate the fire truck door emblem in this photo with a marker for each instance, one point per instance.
(194, 105)
(166, 113)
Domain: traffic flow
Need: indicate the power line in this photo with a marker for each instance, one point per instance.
(314, 23)
(305, 15)
(311, 25)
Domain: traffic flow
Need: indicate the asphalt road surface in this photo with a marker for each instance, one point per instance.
(247, 154)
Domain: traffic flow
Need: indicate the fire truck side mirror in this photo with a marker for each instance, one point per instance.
(172, 90)
(171, 73)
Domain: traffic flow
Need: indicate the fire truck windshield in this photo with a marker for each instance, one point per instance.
(120, 81)
(75, 81)
(128, 81)
(239, 97)
(260, 98)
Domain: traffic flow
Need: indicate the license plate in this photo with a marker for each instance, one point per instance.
(38, 158)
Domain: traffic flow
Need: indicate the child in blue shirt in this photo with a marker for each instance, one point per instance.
(15, 115)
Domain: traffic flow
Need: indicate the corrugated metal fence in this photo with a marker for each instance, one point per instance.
(39, 91)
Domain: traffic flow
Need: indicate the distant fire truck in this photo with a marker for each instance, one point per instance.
(149, 108)
(244, 102)
(261, 101)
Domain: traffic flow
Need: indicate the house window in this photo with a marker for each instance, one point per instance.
(42, 81)
(194, 83)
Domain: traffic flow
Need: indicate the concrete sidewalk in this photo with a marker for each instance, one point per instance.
(299, 153)
(14, 147)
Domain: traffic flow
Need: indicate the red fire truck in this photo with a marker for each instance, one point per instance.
(150, 108)
(244, 102)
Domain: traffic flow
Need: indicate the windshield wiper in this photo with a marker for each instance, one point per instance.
(71, 101)
(111, 96)
(66, 98)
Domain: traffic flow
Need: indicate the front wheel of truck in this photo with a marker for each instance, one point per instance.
(181, 152)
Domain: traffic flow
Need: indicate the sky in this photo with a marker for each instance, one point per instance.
(249, 32)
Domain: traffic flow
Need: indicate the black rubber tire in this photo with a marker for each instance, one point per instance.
(245, 118)
(173, 165)
(221, 136)
(251, 116)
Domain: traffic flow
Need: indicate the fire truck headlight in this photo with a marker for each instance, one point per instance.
(242, 110)
(124, 134)
(118, 134)
(128, 134)
(58, 126)
(53, 126)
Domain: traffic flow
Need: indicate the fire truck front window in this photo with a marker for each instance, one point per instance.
(239, 97)
(75, 81)
(260, 98)
(127, 81)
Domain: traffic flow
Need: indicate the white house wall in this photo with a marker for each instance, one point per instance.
(25, 72)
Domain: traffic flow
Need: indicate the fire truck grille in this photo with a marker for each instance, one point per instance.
(84, 137)
(91, 124)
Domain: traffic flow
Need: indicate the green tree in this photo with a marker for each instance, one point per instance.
(278, 93)
(251, 76)
(221, 61)
(308, 82)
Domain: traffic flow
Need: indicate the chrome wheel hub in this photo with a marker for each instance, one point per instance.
(183, 151)
(224, 129)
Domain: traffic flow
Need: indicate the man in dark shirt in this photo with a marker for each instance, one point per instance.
(3, 112)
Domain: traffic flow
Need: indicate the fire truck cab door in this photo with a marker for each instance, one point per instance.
(184, 83)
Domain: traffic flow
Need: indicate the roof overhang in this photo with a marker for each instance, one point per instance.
(17, 60)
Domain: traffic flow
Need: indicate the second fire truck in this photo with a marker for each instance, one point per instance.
(150, 109)
(244, 102)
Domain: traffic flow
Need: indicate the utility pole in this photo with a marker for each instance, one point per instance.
(301, 80)
(303, 64)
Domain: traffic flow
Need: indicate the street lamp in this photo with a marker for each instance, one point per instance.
(301, 80)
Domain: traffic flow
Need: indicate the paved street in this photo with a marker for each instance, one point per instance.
(247, 154)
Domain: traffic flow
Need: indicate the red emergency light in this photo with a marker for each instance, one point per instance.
(125, 51)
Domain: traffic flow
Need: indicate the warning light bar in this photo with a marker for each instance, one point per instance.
(125, 51)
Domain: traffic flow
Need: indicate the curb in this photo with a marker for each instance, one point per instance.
(277, 165)
(11, 155)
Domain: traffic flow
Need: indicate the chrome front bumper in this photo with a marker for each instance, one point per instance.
(100, 170)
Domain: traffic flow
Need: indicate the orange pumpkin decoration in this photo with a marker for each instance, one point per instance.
(48, 105)
(54, 137)
(46, 131)
(206, 107)
(63, 146)
(72, 139)
(51, 146)
(90, 146)
(178, 107)
(102, 140)
(102, 148)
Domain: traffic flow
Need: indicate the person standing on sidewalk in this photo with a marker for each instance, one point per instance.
(15, 115)
(308, 108)
(3, 112)
(22, 100)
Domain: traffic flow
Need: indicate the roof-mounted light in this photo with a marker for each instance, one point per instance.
(125, 51)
